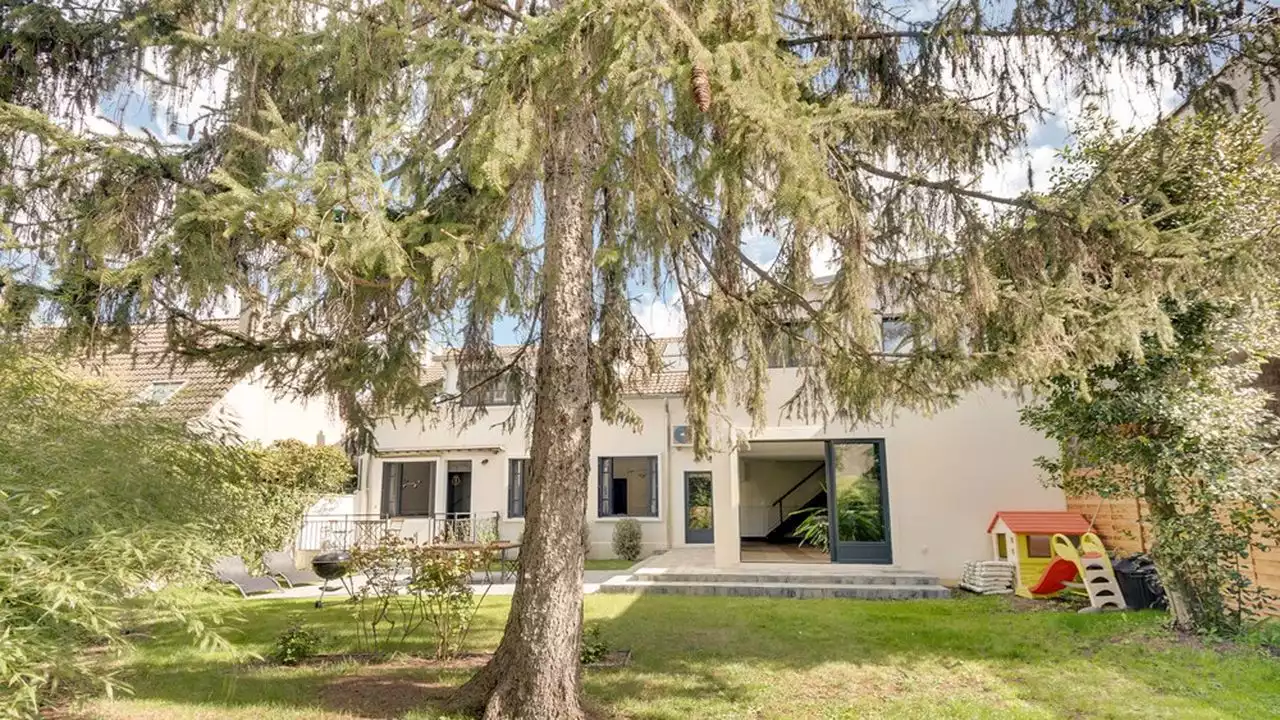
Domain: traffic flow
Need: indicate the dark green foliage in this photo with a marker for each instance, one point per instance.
(365, 178)
(628, 539)
(815, 529)
(1179, 421)
(295, 644)
(594, 648)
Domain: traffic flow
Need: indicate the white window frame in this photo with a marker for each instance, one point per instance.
(146, 395)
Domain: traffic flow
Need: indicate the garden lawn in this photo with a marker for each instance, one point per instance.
(751, 657)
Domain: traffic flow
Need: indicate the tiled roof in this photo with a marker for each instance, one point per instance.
(670, 382)
(136, 370)
(1035, 522)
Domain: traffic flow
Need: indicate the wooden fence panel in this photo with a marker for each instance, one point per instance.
(1123, 528)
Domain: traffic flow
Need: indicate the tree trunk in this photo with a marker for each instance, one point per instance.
(535, 671)
(1177, 586)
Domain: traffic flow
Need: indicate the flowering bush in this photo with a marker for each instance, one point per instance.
(410, 587)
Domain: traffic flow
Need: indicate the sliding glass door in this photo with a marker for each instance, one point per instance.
(859, 503)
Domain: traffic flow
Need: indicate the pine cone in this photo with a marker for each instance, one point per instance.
(701, 82)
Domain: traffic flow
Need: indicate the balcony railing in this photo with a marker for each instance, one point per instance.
(321, 533)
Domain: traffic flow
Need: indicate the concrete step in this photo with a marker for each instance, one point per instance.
(880, 578)
(634, 586)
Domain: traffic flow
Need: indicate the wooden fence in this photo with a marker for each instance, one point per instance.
(1122, 525)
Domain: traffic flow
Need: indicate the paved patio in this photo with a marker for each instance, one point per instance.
(702, 561)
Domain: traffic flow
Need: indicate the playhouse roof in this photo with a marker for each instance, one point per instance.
(1041, 522)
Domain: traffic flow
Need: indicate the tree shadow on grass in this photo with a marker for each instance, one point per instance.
(385, 690)
(927, 650)
(697, 656)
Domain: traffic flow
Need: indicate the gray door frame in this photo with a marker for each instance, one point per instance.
(699, 536)
(870, 553)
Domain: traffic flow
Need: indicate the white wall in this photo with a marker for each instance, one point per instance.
(489, 448)
(947, 474)
(260, 414)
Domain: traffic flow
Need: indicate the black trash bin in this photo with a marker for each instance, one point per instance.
(1139, 582)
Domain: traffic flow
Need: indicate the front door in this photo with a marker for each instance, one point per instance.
(860, 502)
(458, 495)
(697, 508)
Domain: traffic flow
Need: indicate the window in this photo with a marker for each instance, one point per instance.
(499, 390)
(628, 487)
(1039, 546)
(895, 335)
(1002, 546)
(408, 489)
(517, 473)
(159, 393)
(789, 346)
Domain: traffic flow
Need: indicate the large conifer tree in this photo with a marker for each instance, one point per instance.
(370, 174)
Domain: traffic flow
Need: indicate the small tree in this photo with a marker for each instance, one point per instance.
(1180, 422)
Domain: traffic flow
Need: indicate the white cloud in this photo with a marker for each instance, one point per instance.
(659, 318)
(1128, 99)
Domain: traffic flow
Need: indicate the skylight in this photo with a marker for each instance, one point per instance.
(158, 393)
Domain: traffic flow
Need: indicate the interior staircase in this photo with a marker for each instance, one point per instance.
(784, 531)
(826, 581)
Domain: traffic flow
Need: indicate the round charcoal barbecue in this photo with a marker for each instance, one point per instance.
(332, 566)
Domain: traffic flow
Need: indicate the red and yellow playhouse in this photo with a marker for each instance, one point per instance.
(1050, 551)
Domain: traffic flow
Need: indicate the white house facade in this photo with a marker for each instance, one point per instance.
(916, 492)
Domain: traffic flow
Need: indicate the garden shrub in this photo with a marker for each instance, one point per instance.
(260, 509)
(295, 644)
(100, 500)
(594, 648)
(438, 596)
(627, 539)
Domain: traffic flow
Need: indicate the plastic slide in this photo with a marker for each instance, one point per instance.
(1055, 578)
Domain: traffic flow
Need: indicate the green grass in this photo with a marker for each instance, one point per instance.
(757, 658)
(610, 564)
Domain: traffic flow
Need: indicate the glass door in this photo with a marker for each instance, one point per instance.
(859, 503)
(697, 508)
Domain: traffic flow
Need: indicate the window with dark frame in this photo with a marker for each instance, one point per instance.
(517, 474)
(1039, 546)
(408, 489)
(628, 486)
(789, 346)
(499, 390)
(895, 335)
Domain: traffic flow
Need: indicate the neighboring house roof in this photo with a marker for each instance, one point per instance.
(146, 364)
(665, 382)
(1037, 522)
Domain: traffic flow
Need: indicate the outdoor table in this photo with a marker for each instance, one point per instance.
(507, 559)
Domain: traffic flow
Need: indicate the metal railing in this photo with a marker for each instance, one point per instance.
(322, 533)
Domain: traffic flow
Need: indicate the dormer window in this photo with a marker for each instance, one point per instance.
(790, 346)
(479, 387)
(158, 393)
